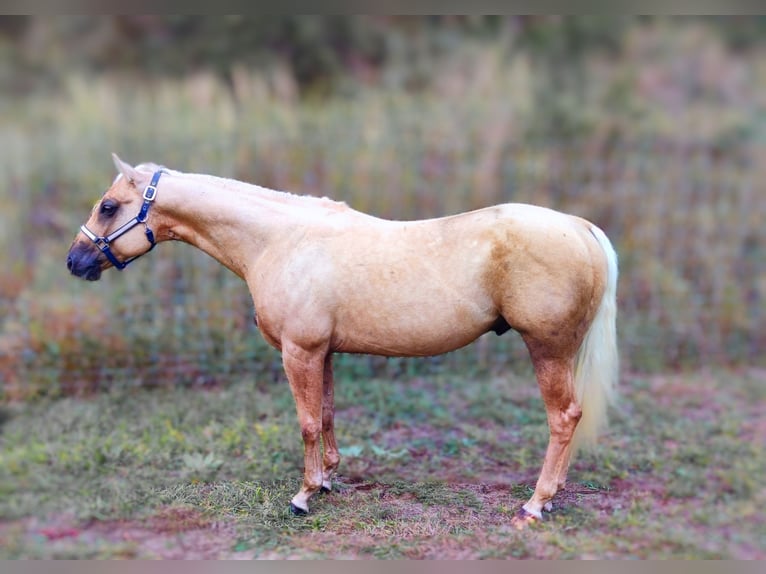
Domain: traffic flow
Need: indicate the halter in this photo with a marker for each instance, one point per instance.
(103, 242)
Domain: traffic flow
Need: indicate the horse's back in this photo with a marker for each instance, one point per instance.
(430, 286)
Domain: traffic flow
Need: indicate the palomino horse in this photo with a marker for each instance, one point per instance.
(328, 279)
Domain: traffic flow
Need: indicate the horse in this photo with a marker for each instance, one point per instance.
(326, 279)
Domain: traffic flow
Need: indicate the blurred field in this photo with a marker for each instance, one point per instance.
(677, 183)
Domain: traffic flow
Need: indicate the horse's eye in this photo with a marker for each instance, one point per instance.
(108, 208)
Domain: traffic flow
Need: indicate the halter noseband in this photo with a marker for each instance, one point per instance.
(103, 242)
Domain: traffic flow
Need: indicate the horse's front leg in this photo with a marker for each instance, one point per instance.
(331, 458)
(304, 370)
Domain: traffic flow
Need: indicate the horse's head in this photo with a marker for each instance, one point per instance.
(122, 213)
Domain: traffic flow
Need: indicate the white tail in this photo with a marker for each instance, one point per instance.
(597, 363)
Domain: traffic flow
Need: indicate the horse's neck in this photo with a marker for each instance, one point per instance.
(229, 220)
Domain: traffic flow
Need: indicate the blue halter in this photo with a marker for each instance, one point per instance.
(103, 242)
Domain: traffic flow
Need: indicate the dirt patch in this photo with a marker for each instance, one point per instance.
(171, 534)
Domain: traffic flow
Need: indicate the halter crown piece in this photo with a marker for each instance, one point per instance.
(103, 242)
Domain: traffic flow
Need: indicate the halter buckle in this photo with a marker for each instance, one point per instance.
(150, 192)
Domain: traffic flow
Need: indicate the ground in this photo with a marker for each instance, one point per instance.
(433, 468)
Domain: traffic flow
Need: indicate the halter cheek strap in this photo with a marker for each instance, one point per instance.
(104, 242)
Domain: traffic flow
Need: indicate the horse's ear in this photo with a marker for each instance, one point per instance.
(128, 171)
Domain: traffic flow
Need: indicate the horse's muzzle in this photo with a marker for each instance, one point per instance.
(84, 261)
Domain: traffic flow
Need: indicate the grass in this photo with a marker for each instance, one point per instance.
(434, 467)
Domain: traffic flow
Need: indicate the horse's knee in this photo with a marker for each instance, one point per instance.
(310, 431)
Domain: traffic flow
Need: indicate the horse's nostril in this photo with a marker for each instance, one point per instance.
(69, 262)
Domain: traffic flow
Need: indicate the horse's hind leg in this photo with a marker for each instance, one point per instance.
(331, 457)
(555, 377)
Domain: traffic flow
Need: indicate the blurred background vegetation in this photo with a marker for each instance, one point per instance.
(653, 128)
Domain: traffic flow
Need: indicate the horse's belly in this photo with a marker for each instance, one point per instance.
(411, 330)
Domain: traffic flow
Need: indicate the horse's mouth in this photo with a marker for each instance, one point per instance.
(92, 274)
(83, 264)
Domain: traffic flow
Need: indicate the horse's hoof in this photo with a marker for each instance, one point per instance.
(523, 519)
(325, 489)
(297, 510)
